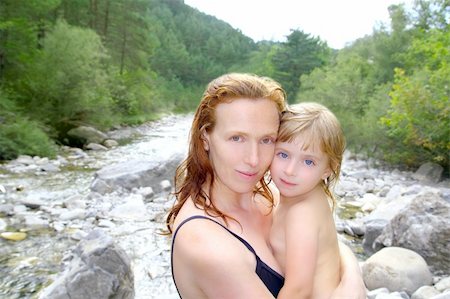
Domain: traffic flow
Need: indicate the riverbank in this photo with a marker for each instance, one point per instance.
(56, 204)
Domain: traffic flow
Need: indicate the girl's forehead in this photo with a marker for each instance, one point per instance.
(307, 141)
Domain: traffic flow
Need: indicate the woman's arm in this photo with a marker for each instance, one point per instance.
(352, 284)
(210, 263)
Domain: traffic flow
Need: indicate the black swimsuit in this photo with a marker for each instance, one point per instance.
(273, 280)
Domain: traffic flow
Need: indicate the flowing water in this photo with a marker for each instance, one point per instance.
(28, 265)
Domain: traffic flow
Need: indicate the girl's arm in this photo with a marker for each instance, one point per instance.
(352, 284)
(301, 233)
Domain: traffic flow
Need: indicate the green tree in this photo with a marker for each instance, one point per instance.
(68, 82)
(299, 55)
(419, 115)
(23, 26)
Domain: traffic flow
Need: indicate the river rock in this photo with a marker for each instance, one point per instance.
(33, 203)
(85, 135)
(424, 227)
(13, 236)
(3, 225)
(95, 147)
(374, 228)
(133, 174)
(429, 172)
(35, 222)
(443, 284)
(397, 269)
(133, 209)
(425, 292)
(445, 295)
(110, 143)
(99, 269)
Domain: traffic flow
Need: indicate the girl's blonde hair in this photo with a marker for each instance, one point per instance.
(318, 127)
(196, 169)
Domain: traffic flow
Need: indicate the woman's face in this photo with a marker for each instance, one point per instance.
(242, 143)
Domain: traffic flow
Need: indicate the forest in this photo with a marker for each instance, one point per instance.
(105, 63)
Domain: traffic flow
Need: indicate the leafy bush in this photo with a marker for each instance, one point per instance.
(19, 135)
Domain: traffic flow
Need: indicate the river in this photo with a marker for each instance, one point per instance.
(28, 265)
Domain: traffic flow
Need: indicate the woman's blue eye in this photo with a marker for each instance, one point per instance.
(236, 138)
(309, 162)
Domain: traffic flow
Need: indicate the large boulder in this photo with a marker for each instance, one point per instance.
(424, 227)
(429, 173)
(84, 135)
(397, 269)
(99, 269)
(134, 174)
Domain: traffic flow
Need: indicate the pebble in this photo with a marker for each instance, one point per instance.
(13, 236)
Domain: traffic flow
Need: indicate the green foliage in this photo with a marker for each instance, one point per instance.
(18, 135)
(390, 89)
(260, 60)
(68, 81)
(298, 56)
(345, 88)
(419, 115)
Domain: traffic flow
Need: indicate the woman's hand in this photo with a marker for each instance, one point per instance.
(352, 284)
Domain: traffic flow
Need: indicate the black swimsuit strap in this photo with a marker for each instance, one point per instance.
(204, 217)
(272, 279)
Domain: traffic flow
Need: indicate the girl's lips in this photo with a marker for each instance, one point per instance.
(287, 183)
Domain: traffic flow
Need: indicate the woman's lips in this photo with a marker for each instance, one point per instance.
(247, 175)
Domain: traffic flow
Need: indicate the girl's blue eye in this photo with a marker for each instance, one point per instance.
(309, 162)
(282, 155)
(236, 138)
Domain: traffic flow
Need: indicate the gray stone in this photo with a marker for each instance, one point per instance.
(424, 227)
(99, 269)
(3, 225)
(49, 167)
(95, 147)
(134, 174)
(397, 269)
(33, 222)
(33, 203)
(110, 143)
(374, 228)
(72, 214)
(445, 295)
(86, 135)
(429, 172)
(425, 292)
(374, 293)
(443, 284)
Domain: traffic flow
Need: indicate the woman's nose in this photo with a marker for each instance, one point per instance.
(252, 157)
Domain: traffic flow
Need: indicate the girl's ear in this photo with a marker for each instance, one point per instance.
(205, 139)
(327, 173)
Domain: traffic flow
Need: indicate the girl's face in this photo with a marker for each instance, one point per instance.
(242, 143)
(297, 171)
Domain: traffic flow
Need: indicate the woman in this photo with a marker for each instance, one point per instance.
(222, 218)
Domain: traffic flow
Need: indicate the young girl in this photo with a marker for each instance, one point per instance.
(307, 161)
